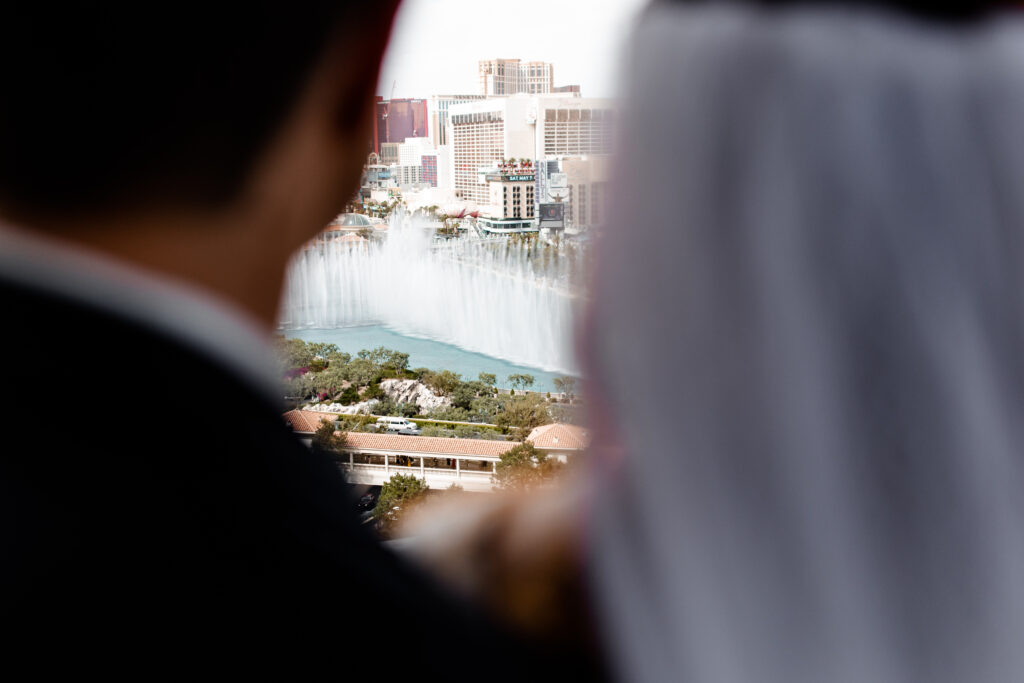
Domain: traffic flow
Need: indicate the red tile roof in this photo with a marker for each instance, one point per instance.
(307, 421)
(426, 444)
(559, 436)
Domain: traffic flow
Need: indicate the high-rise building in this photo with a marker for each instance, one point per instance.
(409, 176)
(437, 114)
(429, 164)
(585, 194)
(412, 149)
(512, 76)
(485, 133)
(396, 120)
(574, 126)
(389, 153)
(411, 169)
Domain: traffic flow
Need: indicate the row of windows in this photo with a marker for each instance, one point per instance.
(478, 117)
(577, 144)
(554, 115)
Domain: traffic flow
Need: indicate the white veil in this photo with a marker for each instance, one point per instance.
(808, 329)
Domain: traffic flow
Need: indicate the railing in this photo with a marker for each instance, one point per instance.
(436, 477)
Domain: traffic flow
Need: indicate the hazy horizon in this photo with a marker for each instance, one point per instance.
(437, 43)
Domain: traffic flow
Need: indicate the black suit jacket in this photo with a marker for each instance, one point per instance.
(156, 515)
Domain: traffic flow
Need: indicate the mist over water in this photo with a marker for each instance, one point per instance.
(510, 298)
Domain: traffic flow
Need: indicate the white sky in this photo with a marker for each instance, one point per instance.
(436, 43)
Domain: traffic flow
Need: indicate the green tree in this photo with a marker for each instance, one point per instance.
(407, 409)
(519, 381)
(322, 350)
(523, 467)
(330, 381)
(443, 383)
(386, 359)
(520, 414)
(450, 413)
(397, 496)
(362, 372)
(374, 356)
(488, 379)
(373, 391)
(327, 438)
(483, 409)
(397, 362)
(462, 395)
(349, 396)
(338, 358)
(302, 386)
(294, 353)
(565, 385)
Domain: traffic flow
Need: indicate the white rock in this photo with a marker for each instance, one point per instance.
(414, 391)
(364, 408)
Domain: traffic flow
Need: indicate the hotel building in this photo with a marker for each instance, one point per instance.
(512, 76)
(437, 114)
(487, 133)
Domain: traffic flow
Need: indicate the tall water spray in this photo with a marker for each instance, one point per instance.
(505, 297)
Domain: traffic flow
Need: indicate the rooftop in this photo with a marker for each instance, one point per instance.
(306, 421)
(426, 444)
(559, 436)
(548, 437)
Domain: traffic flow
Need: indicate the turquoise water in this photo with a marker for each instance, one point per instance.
(424, 353)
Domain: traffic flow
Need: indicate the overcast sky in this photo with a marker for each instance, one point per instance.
(437, 43)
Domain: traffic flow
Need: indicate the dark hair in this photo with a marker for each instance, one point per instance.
(952, 11)
(107, 104)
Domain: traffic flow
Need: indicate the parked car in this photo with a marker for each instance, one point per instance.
(367, 501)
(398, 425)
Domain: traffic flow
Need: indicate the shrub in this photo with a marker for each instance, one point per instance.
(327, 438)
(432, 430)
(373, 391)
(452, 414)
(398, 494)
(520, 414)
(442, 383)
(524, 467)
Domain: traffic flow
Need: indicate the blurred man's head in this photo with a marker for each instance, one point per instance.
(123, 121)
(106, 104)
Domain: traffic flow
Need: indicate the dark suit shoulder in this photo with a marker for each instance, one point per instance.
(141, 480)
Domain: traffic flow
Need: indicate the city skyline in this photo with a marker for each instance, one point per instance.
(437, 44)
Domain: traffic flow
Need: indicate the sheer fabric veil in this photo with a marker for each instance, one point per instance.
(807, 328)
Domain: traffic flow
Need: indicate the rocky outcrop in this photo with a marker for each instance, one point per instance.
(414, 391)
(363, 408)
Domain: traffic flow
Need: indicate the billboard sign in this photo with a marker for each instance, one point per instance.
(551, 216)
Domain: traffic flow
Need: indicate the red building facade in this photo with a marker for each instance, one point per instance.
(396, 120)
